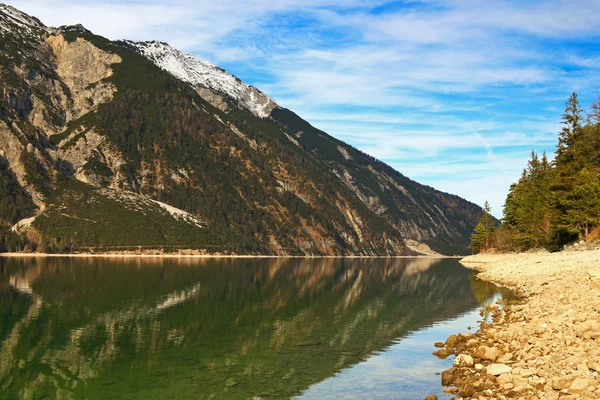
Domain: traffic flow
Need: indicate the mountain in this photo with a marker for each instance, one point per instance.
(119, 145)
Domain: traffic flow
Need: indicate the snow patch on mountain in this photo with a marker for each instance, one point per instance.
(145, 205)
(14, 16)
(23, 225)
(179, 214)
(200, 73)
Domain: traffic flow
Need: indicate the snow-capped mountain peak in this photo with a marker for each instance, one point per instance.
(10, 16)
(203, 74)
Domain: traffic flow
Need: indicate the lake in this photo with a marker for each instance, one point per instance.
(185, 328)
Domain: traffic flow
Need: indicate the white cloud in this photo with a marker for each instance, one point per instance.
(451, 92)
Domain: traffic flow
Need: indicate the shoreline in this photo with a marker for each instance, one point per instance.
(134, 255)
(547, 346)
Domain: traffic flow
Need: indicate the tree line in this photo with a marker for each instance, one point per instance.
(554, 202)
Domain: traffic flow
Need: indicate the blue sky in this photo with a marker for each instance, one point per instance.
(452, 93)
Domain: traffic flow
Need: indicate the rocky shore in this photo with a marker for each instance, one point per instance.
(547, 346)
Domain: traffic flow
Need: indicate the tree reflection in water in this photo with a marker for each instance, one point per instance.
(210, 328)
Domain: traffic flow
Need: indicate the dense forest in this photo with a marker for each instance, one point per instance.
(554, 202)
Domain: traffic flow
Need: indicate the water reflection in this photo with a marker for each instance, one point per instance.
(205, 328)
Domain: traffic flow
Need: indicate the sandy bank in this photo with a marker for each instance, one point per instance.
(545, 347)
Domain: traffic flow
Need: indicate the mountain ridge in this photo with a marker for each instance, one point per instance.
(144, 118)
(202, 74)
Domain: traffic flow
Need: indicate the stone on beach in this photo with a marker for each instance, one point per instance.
(463, 360)
(498, 369)
(488, 353)
(578, 385)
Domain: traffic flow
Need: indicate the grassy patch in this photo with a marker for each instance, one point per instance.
(84, 216)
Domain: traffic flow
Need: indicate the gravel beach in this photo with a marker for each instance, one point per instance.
(547, 346)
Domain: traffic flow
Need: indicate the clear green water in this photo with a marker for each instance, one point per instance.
(73, 328)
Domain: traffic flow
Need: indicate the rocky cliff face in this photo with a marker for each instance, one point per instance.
(81, 115)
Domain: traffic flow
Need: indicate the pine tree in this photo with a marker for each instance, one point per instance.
(583, 203)
(526, 210)
(570, 159)
(553, 204)
(512, 205)
(591, 134)
(481, 239)
(488, 223)
(478, 238)
(571, 121)
(594, 115)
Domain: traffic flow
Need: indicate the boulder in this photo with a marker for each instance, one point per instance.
(586, 328)
(527, 372)
(466, 390)
(448, 376)
(560, 383)
(492, 308)
(594, 366)
(464, 360)
(583, 369)
(488, 353)
(579, 385)
(443, 353)
(431, 397)
(452, 341)
(498, 369)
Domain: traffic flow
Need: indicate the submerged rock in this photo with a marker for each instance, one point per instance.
(443, 353)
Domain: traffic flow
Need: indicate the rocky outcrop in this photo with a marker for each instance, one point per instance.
(12, 148)
(83, 67)
(92, 159)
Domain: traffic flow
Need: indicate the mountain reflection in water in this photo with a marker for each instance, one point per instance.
(210, 328)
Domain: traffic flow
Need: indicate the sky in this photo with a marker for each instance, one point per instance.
(454, 94)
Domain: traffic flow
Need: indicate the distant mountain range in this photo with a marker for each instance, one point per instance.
(119, 145)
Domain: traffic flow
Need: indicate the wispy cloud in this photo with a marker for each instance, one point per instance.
(454, 93)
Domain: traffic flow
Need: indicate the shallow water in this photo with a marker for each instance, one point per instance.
(230, 328)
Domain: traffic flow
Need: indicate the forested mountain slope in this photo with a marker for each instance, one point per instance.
(116, 145)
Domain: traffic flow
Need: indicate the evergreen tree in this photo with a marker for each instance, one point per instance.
(481, 239)
(512, 205)
(478, 238)
(554, 204)
(570, 132)
(591, 134)
(526, 210)
(583, 203)
(570, 159)
(594, 116)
